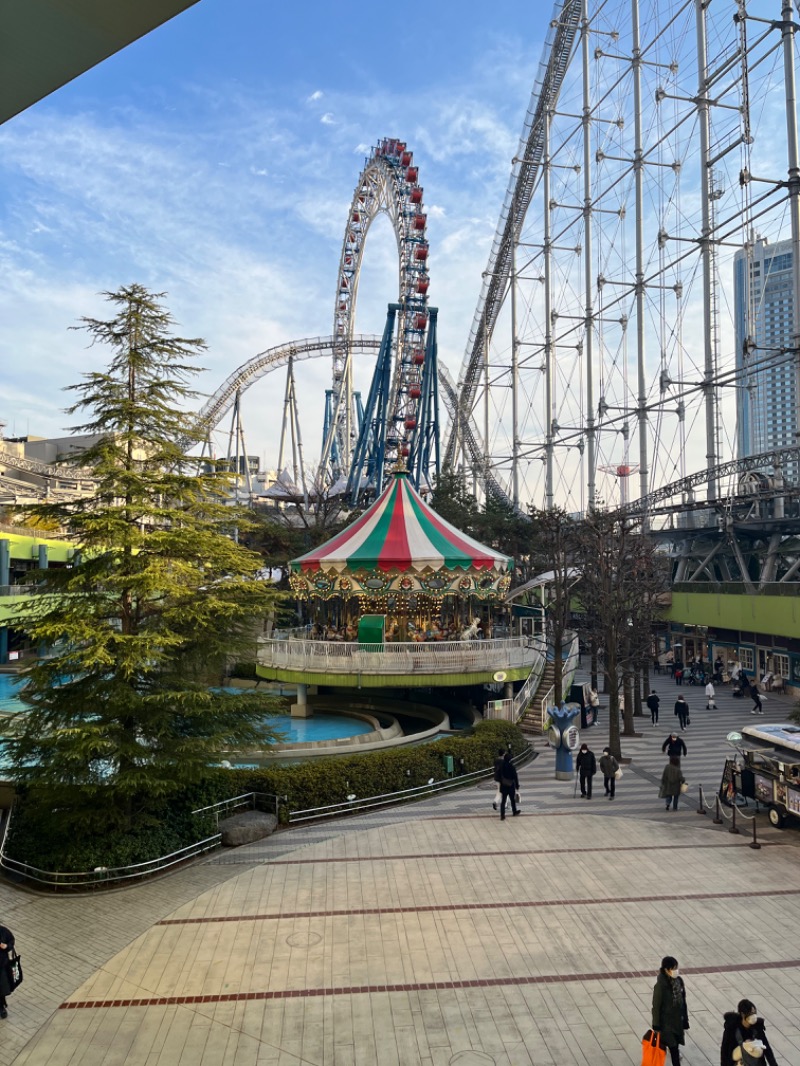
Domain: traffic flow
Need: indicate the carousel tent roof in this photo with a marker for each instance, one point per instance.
(399, 531)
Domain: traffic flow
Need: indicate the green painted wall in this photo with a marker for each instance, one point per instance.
(751, 613)
(415, 680)
(27, 547)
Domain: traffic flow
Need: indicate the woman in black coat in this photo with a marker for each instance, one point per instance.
(6, 985)
(744, 1025)
(670, 1015)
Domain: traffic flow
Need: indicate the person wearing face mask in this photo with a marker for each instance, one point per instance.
(670, 1014)
(740, 1028)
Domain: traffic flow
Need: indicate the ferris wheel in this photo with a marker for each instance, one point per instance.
(388, 184)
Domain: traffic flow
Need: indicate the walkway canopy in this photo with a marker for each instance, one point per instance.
(401, 546)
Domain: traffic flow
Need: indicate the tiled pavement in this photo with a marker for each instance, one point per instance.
(432, 934)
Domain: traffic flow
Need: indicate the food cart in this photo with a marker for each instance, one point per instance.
(766, 769)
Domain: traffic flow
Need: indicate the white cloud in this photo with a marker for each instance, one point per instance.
(328, 119)
(317, 95)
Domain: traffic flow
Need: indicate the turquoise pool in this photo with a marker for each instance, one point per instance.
(295, 730)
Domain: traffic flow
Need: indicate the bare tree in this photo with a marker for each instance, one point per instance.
(554, 547)
(622, 577)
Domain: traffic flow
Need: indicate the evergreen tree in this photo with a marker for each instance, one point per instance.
(161, 596)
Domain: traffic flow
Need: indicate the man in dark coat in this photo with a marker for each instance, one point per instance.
(509, 783)
(674, 746)
(6, 984)
(670, 1014)
(682, 711)
(744, 1025)
(586, 765)
(652, 702)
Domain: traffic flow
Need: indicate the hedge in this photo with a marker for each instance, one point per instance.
(314, 783)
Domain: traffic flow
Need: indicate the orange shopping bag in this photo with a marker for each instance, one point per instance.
(653, 1051)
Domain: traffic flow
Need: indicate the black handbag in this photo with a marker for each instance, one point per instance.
(15, 969)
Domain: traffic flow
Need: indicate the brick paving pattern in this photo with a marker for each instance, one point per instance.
(432, 933)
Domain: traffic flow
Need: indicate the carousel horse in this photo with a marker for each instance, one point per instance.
(471, 632)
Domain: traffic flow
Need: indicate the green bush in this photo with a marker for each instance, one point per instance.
(320, 782)
(315, 783)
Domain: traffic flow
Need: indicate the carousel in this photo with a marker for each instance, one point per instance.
(400, 598)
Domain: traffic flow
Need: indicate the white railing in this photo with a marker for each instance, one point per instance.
(470, 656)
(546, 704)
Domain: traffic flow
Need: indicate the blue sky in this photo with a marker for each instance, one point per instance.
(215, 160)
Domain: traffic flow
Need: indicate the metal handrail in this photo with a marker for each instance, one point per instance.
(440, 657)
(238, 801)
(385, 799)
(102, 875)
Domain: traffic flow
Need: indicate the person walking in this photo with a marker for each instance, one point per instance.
(498, 764)
(6, 981)
(653, 703)
(509, 783)
(609, 768)
(670, 1013)
(682, 711)
(671, 781)
(740, 1028)
(674, 746)
(710, 697)
(758, 707)
(586, 766)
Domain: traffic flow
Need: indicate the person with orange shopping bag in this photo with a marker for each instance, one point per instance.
(653, 1051)
(670, 1014)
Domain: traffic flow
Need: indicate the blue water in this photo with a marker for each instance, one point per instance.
(10, 686)
(295, 730)
(320, 727)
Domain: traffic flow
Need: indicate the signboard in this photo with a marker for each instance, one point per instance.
(12, 655)
(571, 738)
(763, 788)
(793, 801)
(554, 736)
(727, 786)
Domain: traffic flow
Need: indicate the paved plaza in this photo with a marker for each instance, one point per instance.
(433, 934)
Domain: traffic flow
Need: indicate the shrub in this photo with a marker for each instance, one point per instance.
(318, 783)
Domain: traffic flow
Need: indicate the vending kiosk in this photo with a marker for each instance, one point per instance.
(766, 769)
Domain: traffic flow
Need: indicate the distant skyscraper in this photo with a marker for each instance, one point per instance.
(766, 398)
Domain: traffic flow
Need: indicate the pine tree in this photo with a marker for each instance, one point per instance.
(122, 711)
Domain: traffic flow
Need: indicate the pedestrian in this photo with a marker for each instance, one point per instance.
(710, 697)
(740, 1029)
(682, 711)
(672, 782)
(509, 783)
(758, 707)
(670, 1014)
(6, 981)
(653, 703)
(609, 767)
(586, 766)
(674, 746)
(678, 673)
(498, 763)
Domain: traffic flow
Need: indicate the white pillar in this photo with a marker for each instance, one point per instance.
(300, 709)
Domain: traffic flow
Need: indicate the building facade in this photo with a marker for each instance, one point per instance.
(764, 314)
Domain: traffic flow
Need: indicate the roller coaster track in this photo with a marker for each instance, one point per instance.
(56, 473)
(778, 457)
(217, 406)
(558, 48)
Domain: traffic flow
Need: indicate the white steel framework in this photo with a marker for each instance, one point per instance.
(660, 139)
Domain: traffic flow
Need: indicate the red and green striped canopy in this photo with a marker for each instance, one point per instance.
(400, 532)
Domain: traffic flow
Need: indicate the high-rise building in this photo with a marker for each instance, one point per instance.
(764, 309)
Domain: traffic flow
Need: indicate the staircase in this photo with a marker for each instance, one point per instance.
(530, 723)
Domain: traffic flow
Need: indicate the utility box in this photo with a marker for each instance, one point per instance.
(372, 631)
(449, 766)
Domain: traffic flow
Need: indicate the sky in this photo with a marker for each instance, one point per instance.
(215, 160)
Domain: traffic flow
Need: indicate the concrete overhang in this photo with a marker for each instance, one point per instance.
(46, 43)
